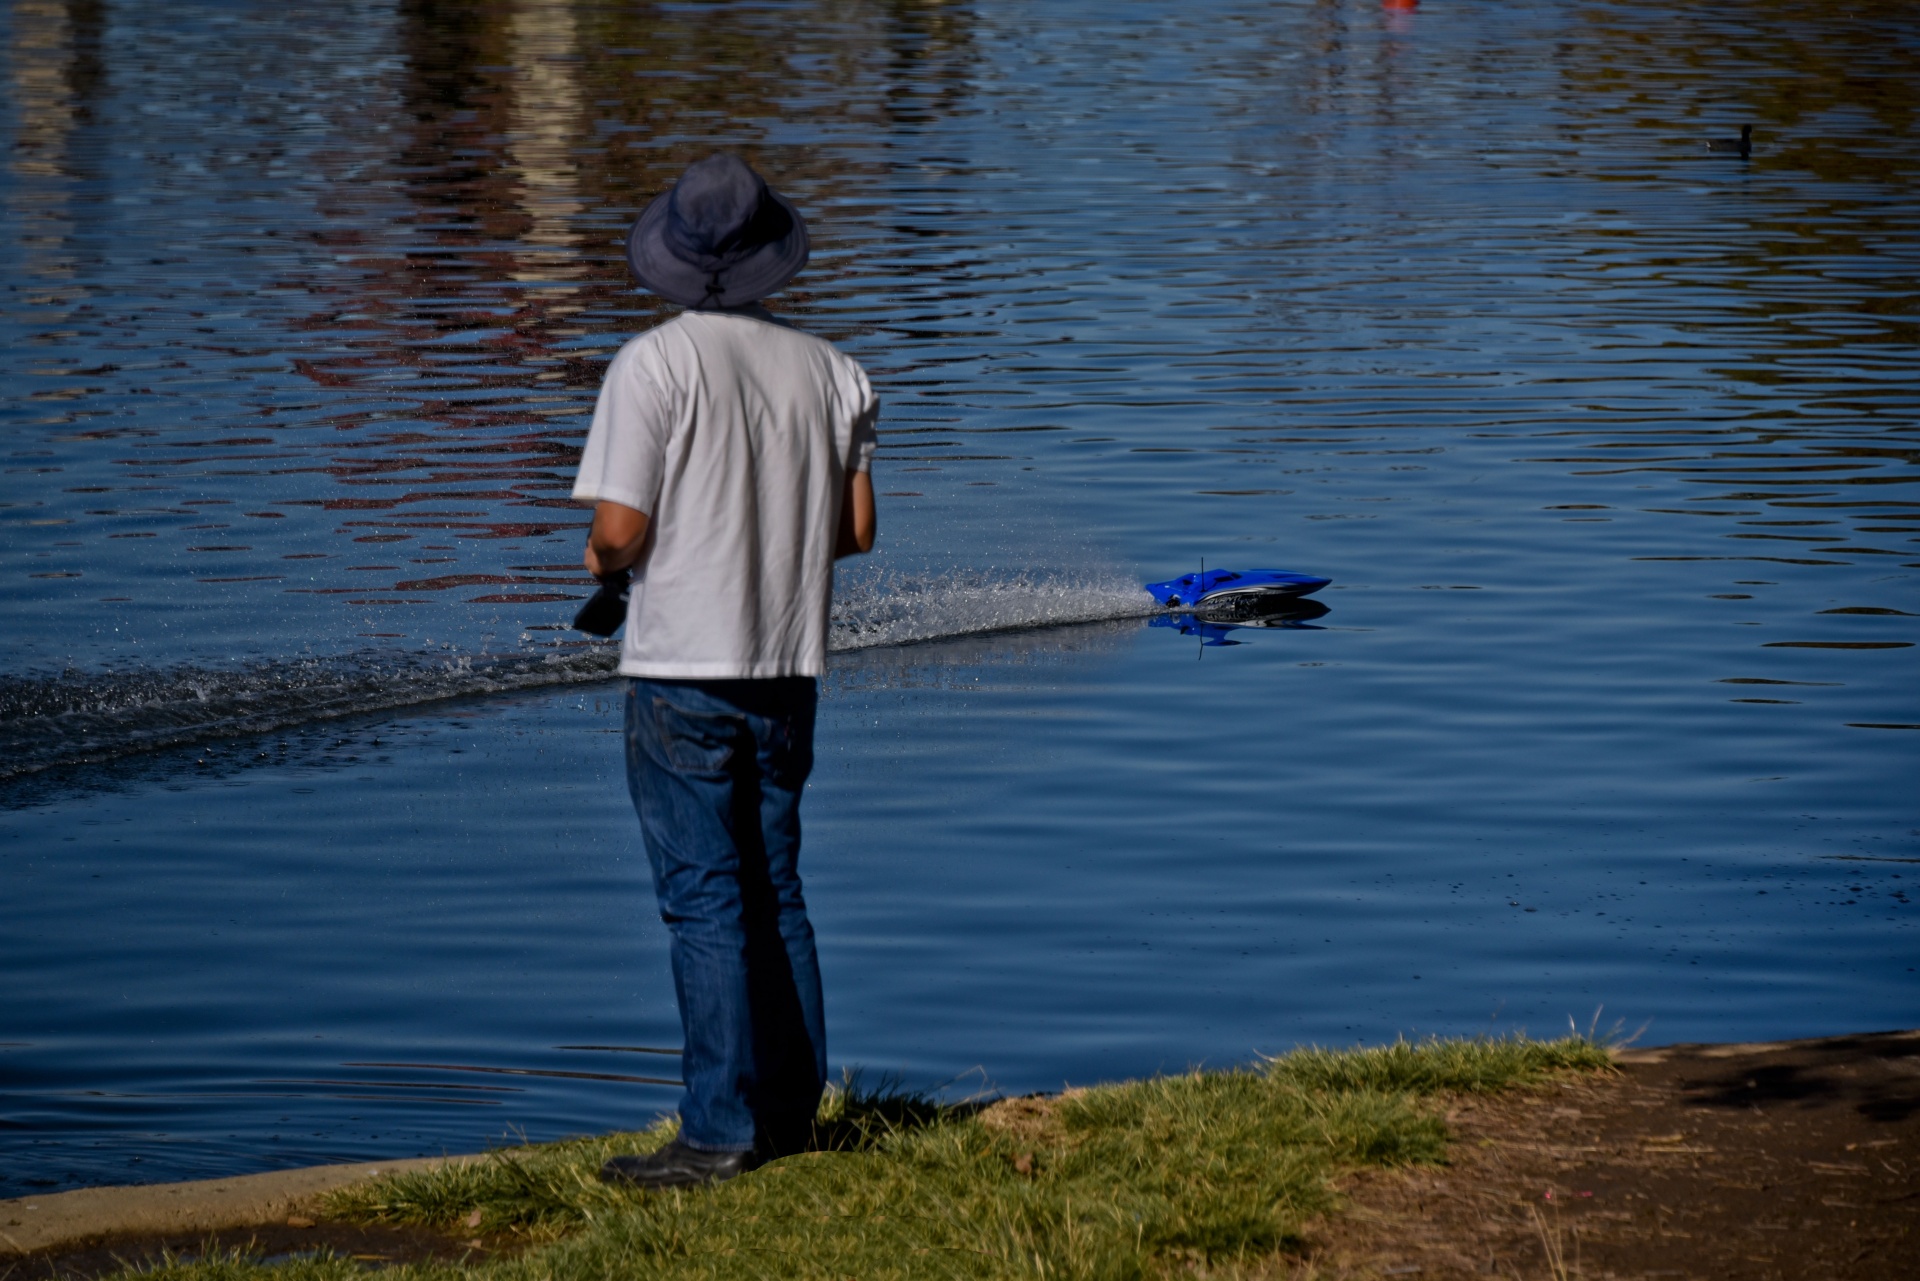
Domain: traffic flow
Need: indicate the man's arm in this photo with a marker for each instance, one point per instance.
(619, 534)
(857, 521)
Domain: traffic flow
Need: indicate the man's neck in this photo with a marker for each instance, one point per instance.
(757, 310)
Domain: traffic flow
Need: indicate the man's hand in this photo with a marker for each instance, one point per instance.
(857, 521)
(618, 536)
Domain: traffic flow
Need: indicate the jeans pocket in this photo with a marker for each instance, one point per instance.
(693, 743)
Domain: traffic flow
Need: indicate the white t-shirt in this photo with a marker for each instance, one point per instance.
(734, 433)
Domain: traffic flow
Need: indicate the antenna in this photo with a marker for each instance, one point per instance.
(1199, 590)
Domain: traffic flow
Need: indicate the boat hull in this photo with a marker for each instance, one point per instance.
(1233, 587)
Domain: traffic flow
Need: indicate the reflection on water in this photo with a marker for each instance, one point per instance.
(54, 58)
(1608, 441)
(1215, 628)
(543, 120)
(1255, 265)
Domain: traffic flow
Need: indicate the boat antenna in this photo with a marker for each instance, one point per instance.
(1199, 589)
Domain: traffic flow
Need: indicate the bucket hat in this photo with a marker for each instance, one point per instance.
(720, 237)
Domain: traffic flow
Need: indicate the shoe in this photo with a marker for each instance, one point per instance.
(676, 1166)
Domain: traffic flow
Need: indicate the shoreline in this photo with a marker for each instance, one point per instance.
(123, 1220)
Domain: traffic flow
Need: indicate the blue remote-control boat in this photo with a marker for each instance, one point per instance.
(1233, 588)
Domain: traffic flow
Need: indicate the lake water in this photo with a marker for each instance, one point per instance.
(313, 841)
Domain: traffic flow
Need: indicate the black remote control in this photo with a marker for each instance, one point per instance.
(603, 614)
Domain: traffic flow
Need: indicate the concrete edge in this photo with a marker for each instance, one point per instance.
(32, 1223)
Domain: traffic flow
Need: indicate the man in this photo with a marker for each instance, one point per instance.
(728, 468)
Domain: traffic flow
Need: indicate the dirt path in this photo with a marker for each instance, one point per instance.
(1791, 1161)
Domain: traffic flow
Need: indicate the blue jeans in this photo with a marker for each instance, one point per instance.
(716, 769)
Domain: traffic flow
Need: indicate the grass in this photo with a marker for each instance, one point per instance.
(1213, 1173)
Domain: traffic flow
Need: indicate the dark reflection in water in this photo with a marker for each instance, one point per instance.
(310, 313)
(381, 281)
(1216, 627)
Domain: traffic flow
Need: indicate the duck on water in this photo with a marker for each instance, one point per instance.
(1741, 146)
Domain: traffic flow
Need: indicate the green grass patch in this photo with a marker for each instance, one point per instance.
(1218, 1170)
(1436, 1066)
